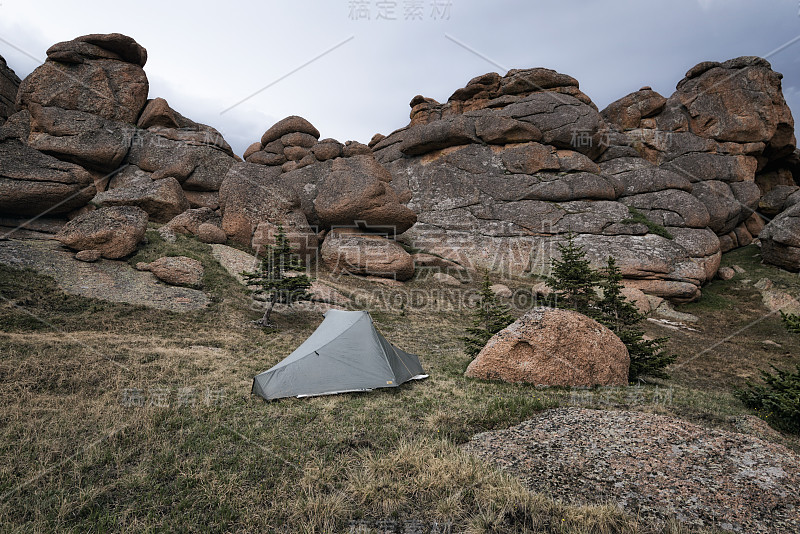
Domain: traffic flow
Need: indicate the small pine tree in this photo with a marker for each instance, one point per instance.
(272, 278)
(573, 280)
(615, 310)
(648, 356)
(489, 317)
(778, 401)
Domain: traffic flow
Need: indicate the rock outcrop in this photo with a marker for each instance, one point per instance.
(739, 100)
(494, 177)
(255, 202)
(175, 270)
(341, 189)
(338, 184)
(114, 232)
(34, 183)
(554, 348)
(9, 85)
(780, 240)
(97, 74)
(347, 250)
(510, 164)
(85, 131)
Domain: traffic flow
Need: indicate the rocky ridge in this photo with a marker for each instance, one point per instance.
(510, 164)
(494, 177)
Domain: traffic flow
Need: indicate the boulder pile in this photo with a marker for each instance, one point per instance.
(510, 164)
(495, 177)
(342, 191)
(85, 136)
(81, 134)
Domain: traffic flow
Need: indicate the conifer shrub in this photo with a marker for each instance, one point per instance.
(273, 279)
(575, 284)
(490, 316)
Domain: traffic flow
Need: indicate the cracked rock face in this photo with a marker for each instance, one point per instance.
(474, 210)
(95, 82)
(9, 84)
(86, 131)
(780, 240)
(33, 182)
(510, 164)
(255, 202)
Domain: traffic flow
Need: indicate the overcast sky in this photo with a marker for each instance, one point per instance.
(242, 66)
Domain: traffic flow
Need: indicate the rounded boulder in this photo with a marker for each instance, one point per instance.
(554, 347)
(114, 231)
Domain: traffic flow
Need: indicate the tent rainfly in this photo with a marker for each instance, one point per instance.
(344, 354)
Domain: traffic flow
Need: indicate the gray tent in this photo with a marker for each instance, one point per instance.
(345, 353)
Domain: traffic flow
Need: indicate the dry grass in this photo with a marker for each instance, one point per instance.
(196, 452)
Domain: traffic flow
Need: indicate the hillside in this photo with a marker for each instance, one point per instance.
(124, 417)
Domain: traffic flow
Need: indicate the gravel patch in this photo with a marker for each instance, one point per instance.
(114, 281)
(652, 465)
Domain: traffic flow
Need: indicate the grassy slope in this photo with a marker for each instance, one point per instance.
(201, 454)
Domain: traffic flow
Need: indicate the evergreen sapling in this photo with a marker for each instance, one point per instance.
(273, 278)
(490, 316)
(648, 356)
(572, 278)
(574, 282)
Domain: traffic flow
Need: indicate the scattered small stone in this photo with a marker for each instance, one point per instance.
(501, 290)
(167, 234)
(88, 256)
(726, 273)
(446, 279)
(764, 283)
(666, 310)
(738, 269)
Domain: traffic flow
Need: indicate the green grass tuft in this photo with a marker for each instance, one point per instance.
(637, 217)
